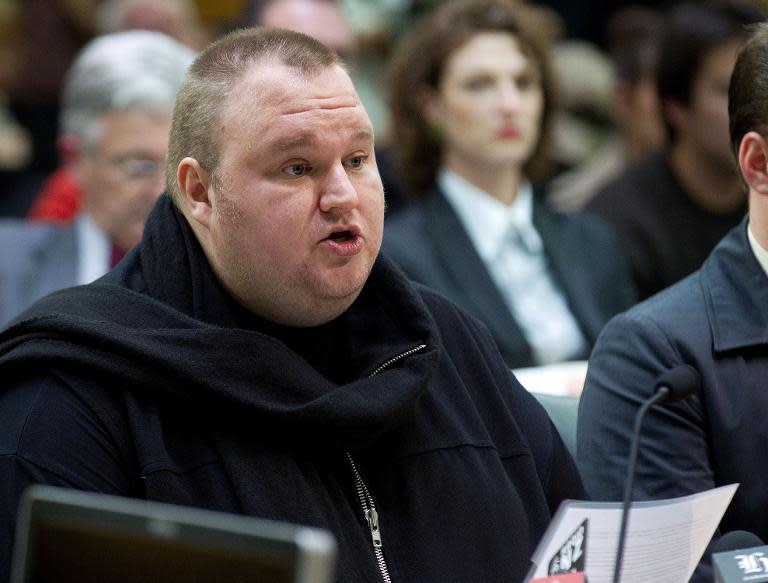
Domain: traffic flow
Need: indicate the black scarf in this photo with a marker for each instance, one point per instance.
(161, 322)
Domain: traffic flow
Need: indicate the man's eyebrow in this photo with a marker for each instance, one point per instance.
(282, 145)
(293, 142)
(363, 134)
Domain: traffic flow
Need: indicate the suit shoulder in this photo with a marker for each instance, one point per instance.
(584, 231)
(578, 221)
(32, 230)
(448, 314)
(681, 306)
(406, 240)
(408, 221)
(27, 238)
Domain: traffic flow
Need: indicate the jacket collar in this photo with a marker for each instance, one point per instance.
(735, 290)
(466, 269)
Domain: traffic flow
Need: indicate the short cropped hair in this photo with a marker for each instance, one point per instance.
(194, 130)
(125, 70)
(748, 91)
(420, 60)
(691, 31)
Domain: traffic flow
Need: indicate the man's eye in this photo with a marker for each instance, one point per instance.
(356, 162)
(138, 167)
(296, 169)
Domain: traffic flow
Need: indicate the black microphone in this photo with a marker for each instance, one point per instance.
(735, 540)
(676, 384)
(731, 562)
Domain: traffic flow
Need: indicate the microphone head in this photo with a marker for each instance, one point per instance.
(681, 382)
(736, 540)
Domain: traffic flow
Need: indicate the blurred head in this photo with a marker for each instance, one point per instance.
(271, 160)
(748, 113)
(633, 38)
(748, 91)
(323, 20)
(179, 19)
(696, 58)
(117, 102)
(473, 81)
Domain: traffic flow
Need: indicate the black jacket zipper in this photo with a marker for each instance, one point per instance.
(364, 495)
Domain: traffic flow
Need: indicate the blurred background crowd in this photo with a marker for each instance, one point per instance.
(611, 156)
(603, 56)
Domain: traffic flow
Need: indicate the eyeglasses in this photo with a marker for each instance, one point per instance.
(136, 168)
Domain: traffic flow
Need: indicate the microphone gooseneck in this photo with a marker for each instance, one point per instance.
(674, 385)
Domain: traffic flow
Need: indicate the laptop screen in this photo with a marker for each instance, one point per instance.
(66, 536)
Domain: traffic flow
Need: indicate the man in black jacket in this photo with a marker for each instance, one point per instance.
(254, 354)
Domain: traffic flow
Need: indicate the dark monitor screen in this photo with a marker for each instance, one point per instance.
(65, 536)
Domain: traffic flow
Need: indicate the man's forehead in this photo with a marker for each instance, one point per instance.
(272, 90)
(289, 110)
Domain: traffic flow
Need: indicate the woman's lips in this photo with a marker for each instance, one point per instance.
(508, 133)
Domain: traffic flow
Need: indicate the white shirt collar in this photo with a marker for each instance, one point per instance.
(760, 253)
(487, 220)
(94, 251)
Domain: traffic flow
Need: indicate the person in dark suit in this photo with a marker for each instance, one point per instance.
(471, 98)
(116, 115)
(715, 320)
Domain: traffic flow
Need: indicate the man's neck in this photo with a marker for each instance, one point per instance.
(501, 183)
(758, 218)
(711, 185)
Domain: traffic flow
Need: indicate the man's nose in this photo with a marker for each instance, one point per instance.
(337, 191)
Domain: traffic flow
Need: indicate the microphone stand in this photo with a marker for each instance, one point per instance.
(660, 395)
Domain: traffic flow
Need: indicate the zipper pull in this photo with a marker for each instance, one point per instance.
(373, 522)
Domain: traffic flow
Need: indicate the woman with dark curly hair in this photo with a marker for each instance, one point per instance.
(471, 94)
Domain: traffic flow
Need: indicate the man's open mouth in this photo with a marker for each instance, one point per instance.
(342, 236)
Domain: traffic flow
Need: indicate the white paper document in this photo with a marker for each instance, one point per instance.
(563, 378)
(665, 538)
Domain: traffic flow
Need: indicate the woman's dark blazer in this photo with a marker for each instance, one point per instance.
(430, 244)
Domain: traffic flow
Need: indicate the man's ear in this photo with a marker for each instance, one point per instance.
(753, 162)
(194, 183)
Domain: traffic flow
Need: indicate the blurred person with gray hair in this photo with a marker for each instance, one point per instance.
(116, 114)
